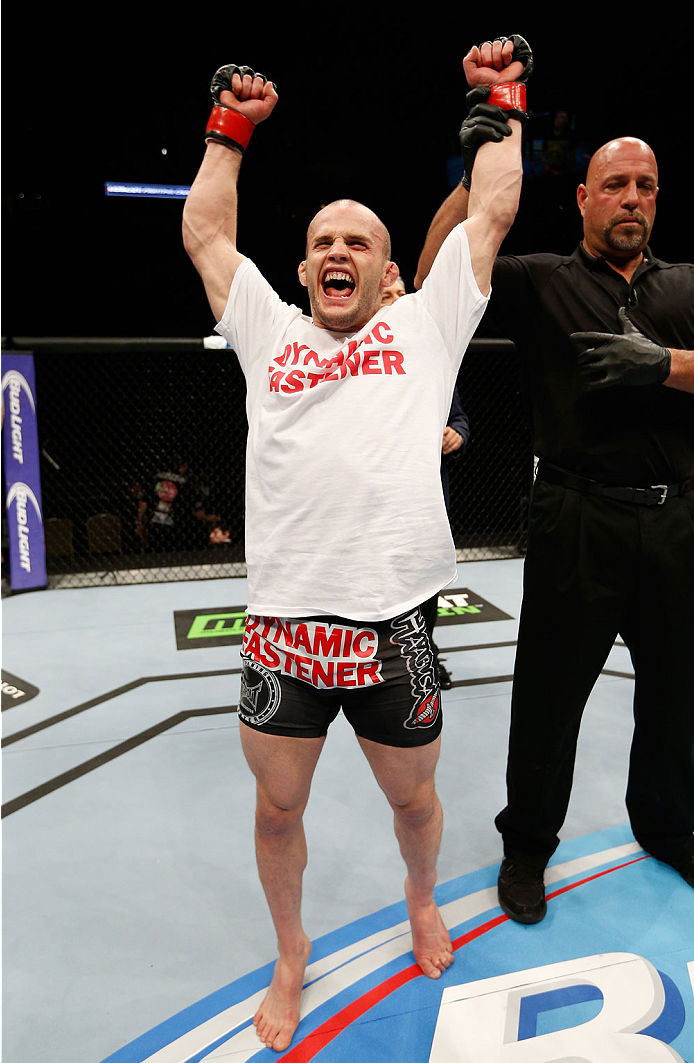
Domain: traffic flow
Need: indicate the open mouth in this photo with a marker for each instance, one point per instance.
(338, 285)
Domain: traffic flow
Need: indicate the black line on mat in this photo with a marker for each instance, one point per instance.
(108, 755)
(52, 720)
(134, 741)
(482, 680)
(110, 694)
(509, 678)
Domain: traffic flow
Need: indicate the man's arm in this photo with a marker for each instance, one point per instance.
(457, 431)
(493, 202)
(210, 211)
(452, 211)
(209, 223)
(498, 66)
(681, 374)
(457, 425)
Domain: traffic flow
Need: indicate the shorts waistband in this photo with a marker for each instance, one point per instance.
(655, 495)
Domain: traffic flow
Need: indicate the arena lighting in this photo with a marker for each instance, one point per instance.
(140, 191)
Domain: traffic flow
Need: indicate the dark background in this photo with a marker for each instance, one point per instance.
(370, 105)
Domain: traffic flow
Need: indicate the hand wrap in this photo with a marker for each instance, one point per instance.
(226, 125)
(629, 359)
(491, 106)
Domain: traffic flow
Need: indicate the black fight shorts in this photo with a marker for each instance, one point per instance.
(298, 674)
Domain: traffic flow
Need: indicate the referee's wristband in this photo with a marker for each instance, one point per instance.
(229, 127)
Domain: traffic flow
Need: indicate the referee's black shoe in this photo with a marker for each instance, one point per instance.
(521, 889)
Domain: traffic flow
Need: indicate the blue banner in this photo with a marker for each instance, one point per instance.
(140, 191)
(22, 474)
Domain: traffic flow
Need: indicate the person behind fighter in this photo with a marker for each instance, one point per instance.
(330, 573)
(455, 438)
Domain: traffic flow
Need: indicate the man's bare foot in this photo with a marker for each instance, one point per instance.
(431, 941)
(278, 1016)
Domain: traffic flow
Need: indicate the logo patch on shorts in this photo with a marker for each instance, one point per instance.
(426, 714)
(412, 638)
(260, 694)
(329, 656)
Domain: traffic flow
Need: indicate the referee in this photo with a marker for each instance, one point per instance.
(605, 337)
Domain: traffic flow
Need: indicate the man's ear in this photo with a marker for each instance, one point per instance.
(581, 196)
(302, 274)
(391, 275)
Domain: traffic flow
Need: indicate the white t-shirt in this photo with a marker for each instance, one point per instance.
(344, 507)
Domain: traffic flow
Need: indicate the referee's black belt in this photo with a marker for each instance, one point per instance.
(654, 495)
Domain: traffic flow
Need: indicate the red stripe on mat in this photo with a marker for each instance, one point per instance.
(315, 1042)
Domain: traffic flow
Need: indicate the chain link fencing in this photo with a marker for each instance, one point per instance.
(142, 446)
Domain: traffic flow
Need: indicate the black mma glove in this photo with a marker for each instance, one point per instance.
(226, 125)
(629, 359)
(491, 106)
(222, 79)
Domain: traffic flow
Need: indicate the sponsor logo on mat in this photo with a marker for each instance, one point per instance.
(607, 976)
(463, 606)
(205, 628)
(15, 691)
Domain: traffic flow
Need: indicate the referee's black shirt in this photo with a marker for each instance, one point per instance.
(635, 436)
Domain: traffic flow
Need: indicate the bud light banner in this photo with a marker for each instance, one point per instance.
(22, 477)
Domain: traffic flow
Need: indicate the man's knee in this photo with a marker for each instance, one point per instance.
(272, 819)
(418, 809)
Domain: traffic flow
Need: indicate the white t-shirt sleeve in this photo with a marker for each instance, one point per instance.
(253, 315)
(451, 294)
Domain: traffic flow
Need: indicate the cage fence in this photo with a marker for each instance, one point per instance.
(142, 459)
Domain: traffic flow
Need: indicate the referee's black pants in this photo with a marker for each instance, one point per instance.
(595, 569)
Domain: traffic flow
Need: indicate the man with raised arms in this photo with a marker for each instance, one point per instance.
(346, 527)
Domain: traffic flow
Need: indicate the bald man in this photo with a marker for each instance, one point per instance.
(346, 526)
(605, 337)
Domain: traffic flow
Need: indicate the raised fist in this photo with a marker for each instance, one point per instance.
(241, 89)
(496, 72)
(498, 61)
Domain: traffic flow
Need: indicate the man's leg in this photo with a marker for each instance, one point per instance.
(406, 776)
(660, 793)
(283, 768)
(579, 573)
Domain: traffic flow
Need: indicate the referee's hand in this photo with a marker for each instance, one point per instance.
(628, 359)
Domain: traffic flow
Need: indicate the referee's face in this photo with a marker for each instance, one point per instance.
(618, 199)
